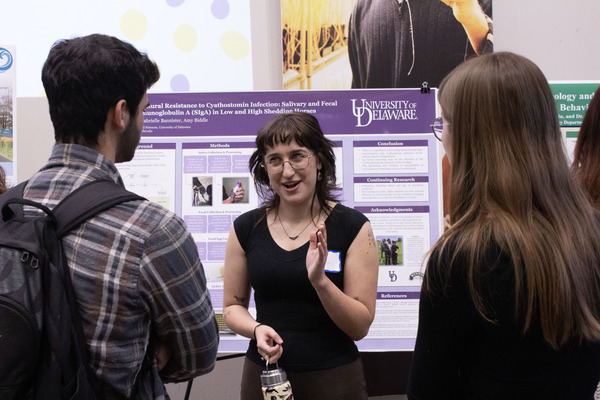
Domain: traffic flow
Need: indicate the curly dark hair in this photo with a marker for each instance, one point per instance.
(305, 130)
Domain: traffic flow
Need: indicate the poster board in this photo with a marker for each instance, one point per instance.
(387, 167)
(572, 100)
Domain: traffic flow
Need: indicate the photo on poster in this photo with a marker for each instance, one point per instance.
(202, 191)
(6, 121)
(235, 190)
(390, 250)
(315, 44)
(361, 44)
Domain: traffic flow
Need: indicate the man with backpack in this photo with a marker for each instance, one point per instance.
(135, 269)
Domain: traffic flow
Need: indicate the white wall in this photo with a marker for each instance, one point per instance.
(559, 36)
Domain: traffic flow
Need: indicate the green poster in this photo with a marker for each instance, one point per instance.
(572, 100)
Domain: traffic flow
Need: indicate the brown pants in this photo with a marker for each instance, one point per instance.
(341, 383)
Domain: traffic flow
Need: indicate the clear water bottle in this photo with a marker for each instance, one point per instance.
(234, 191)
(275, 385)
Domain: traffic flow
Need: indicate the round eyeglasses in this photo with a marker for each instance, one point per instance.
(437, 127)
(274, 165)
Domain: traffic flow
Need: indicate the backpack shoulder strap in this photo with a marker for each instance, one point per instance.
(87, 201)
(80, 205)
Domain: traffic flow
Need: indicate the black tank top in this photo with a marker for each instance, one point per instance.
(285, 298)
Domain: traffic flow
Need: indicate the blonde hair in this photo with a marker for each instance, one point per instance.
(511, 186)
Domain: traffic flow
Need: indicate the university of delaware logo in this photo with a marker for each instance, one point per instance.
(6, 60)
(367, 111)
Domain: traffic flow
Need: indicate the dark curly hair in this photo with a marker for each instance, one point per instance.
(305, 130)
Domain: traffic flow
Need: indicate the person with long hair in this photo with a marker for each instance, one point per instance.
(509, 305)
(586, 155)
(311, 262)
(586, 158)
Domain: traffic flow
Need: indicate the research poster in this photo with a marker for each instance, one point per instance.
(572, 99)
(194, 153)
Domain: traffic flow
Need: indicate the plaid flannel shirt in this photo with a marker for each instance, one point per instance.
(134, 268)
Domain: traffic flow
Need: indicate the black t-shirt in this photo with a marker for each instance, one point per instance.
(285, 298)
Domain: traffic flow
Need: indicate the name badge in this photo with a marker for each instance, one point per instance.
(334, 262)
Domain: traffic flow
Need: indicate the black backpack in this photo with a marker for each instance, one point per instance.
(42, 347)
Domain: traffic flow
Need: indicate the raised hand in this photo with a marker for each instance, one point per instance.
(317, 255)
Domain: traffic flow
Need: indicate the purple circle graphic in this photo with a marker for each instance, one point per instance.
(175, 3)
(180, 83)
(220, 8)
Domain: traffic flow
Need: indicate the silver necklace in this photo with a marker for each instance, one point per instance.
(300, 233)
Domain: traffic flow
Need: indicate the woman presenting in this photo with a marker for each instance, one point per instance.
(311, 262)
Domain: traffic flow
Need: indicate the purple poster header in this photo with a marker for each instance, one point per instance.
(219, 145)
(358, 111)
(398, 295)
(390, 143)
(392, 179)
(393, 209)
(156, 146)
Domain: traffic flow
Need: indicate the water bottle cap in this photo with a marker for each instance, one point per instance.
(273, 377)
